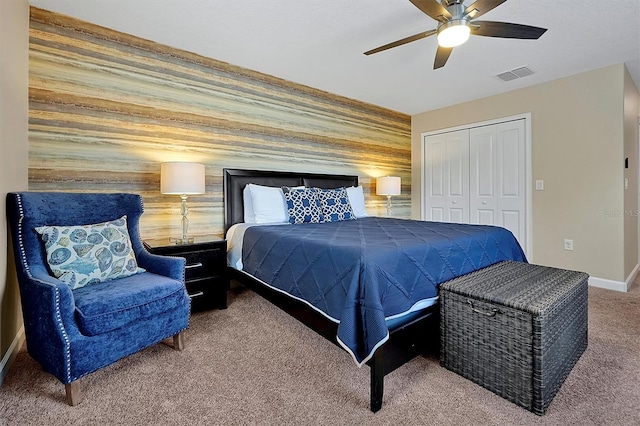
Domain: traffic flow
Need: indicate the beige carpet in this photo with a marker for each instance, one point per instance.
(253, 364)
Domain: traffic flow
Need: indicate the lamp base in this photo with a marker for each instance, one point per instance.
(181, 240)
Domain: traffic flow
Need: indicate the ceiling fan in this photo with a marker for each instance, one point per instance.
(456, 22)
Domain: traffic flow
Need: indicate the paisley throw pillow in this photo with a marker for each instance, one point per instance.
(87, 254)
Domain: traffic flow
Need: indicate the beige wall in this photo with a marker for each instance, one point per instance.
(14, 27)
(578, 148)
(631, 104)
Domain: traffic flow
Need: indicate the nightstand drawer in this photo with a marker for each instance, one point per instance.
(205, 273)
(203, 263)
(198, 287)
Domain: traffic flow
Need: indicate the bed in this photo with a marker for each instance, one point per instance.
(368, 285)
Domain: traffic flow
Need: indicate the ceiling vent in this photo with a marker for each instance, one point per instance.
(515, 73)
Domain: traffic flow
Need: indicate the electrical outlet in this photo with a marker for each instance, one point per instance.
(568, 244)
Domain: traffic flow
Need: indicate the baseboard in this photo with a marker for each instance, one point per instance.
(632, 276)
(8, 357)
(615, 285)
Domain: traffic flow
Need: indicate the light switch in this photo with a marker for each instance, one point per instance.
(539, 185)
(568, 244)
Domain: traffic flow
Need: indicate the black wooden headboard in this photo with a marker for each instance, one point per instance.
(236, 179)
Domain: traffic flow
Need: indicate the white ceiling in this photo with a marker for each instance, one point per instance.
(320, 43)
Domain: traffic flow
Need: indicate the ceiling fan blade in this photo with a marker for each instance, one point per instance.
(432, 8)
(481, 7)
(442, 55)
(401, 42)
(506, 30)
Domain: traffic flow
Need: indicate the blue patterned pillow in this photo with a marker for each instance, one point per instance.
(87, 254)
(335, 205)
(303, 205)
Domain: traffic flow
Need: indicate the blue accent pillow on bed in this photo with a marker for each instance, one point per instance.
(335, 204)
(303, 205)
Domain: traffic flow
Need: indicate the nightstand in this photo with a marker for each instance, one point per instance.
(205, 274)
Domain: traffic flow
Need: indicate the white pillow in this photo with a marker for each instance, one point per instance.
(269, 204)
(249, 215)
(356, 199)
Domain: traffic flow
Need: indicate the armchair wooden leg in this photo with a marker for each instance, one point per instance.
(74, 396)
(178, 341)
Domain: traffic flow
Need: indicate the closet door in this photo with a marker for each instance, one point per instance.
(497, 177)
(483, 185)
(447, 177)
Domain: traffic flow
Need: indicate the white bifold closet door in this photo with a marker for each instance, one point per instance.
(478, 176)
(447, 177)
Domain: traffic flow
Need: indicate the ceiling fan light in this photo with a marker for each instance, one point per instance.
(454, 33)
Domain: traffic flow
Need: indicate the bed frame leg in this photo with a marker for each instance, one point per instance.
(377, 379)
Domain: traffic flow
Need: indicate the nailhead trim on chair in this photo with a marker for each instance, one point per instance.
(65, 335)
(23, 258)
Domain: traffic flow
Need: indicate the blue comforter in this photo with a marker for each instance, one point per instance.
(359, 272)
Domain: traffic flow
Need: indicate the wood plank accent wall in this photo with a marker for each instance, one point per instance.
(106, 108)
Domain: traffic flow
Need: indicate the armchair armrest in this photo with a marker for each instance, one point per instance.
(45, 292)
(49, 320)
(168, 266)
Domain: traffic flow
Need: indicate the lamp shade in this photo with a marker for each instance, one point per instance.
(181, 178)
(388, 185)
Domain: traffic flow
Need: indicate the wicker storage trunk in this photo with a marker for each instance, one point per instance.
(515, 328)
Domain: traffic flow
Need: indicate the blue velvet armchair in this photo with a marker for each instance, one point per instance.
(73, 332)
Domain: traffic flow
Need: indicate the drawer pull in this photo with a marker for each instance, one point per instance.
(198, 294)
(195, 265)
(478, 311)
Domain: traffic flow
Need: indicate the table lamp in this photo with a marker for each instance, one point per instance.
(388, 185)
(182, 178)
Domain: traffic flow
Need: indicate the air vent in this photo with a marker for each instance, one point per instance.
(515, 73)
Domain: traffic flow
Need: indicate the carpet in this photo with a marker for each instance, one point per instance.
(252, 364)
